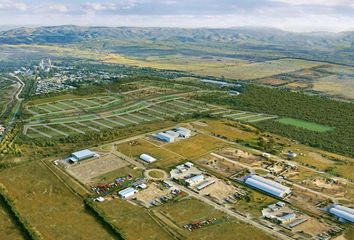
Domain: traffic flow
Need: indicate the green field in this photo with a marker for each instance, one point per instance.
(306, 125)
(48, 205)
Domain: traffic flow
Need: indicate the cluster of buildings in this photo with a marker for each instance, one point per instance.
(172, 135)
(271, 187)
(52, 78)
(283, 215)
(199, 182)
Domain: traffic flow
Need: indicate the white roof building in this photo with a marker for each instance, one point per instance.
(147, 158)
(165, 137)
(184, 132)
(195, 180)
(343, 213)
(269, 186)
(81, 155)
(172, 133)
(128, 192)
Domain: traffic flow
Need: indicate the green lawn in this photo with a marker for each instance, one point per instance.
(306, 125)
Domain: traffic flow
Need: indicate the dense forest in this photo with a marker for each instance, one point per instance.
(339, 115)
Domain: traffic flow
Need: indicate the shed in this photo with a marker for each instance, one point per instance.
(147, 158)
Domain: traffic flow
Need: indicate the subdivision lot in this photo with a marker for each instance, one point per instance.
(113, 113)
(48, 205)
(90, 169)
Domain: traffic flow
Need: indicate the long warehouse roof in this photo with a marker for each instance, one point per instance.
(343, 212)
(268, 186)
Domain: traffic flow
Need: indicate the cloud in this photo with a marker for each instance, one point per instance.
(57, 7)
(7, 5)
(108, 6)
(51, 8)
(323, 3)
(296, 15)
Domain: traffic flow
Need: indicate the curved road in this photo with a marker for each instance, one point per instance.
(18, 105)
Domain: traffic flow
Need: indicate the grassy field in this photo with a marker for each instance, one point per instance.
(8, 229)
(195, 146)
(51, 208)
(156, 174)
(133, 222)
(164, 157)
(190, 210)
(124, 171)
(306, 125)
(255, 204)
(220, 128)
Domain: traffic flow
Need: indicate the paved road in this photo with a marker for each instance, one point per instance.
(19, 101)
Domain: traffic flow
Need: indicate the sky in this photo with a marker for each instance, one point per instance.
(290, 15)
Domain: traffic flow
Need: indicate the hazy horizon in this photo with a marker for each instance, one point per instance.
(288, 15)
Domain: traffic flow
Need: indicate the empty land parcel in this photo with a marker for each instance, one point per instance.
(51, 208)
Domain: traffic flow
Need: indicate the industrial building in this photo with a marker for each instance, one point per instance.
(172, 133)
(281, 214)
(194, 180)
(267, 186)
(81, 155)
(147, 158)
(128, 192)
(166, 137)
(184, 132)
(205, 184)
(343, 213)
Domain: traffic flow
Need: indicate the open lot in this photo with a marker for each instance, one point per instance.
(132, 221)
(49, 205)
(192, 210)
(223, 129)
(219, 190)
(153, 192)
(218, 165)
(195, 146)
(164, 157)
(87, 170)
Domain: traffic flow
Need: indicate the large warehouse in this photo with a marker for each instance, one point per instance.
(128, 192)
(166, 137)
(268, 186)
(81, 155)
(343, 213)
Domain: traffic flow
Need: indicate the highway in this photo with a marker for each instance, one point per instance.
(18, 105)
